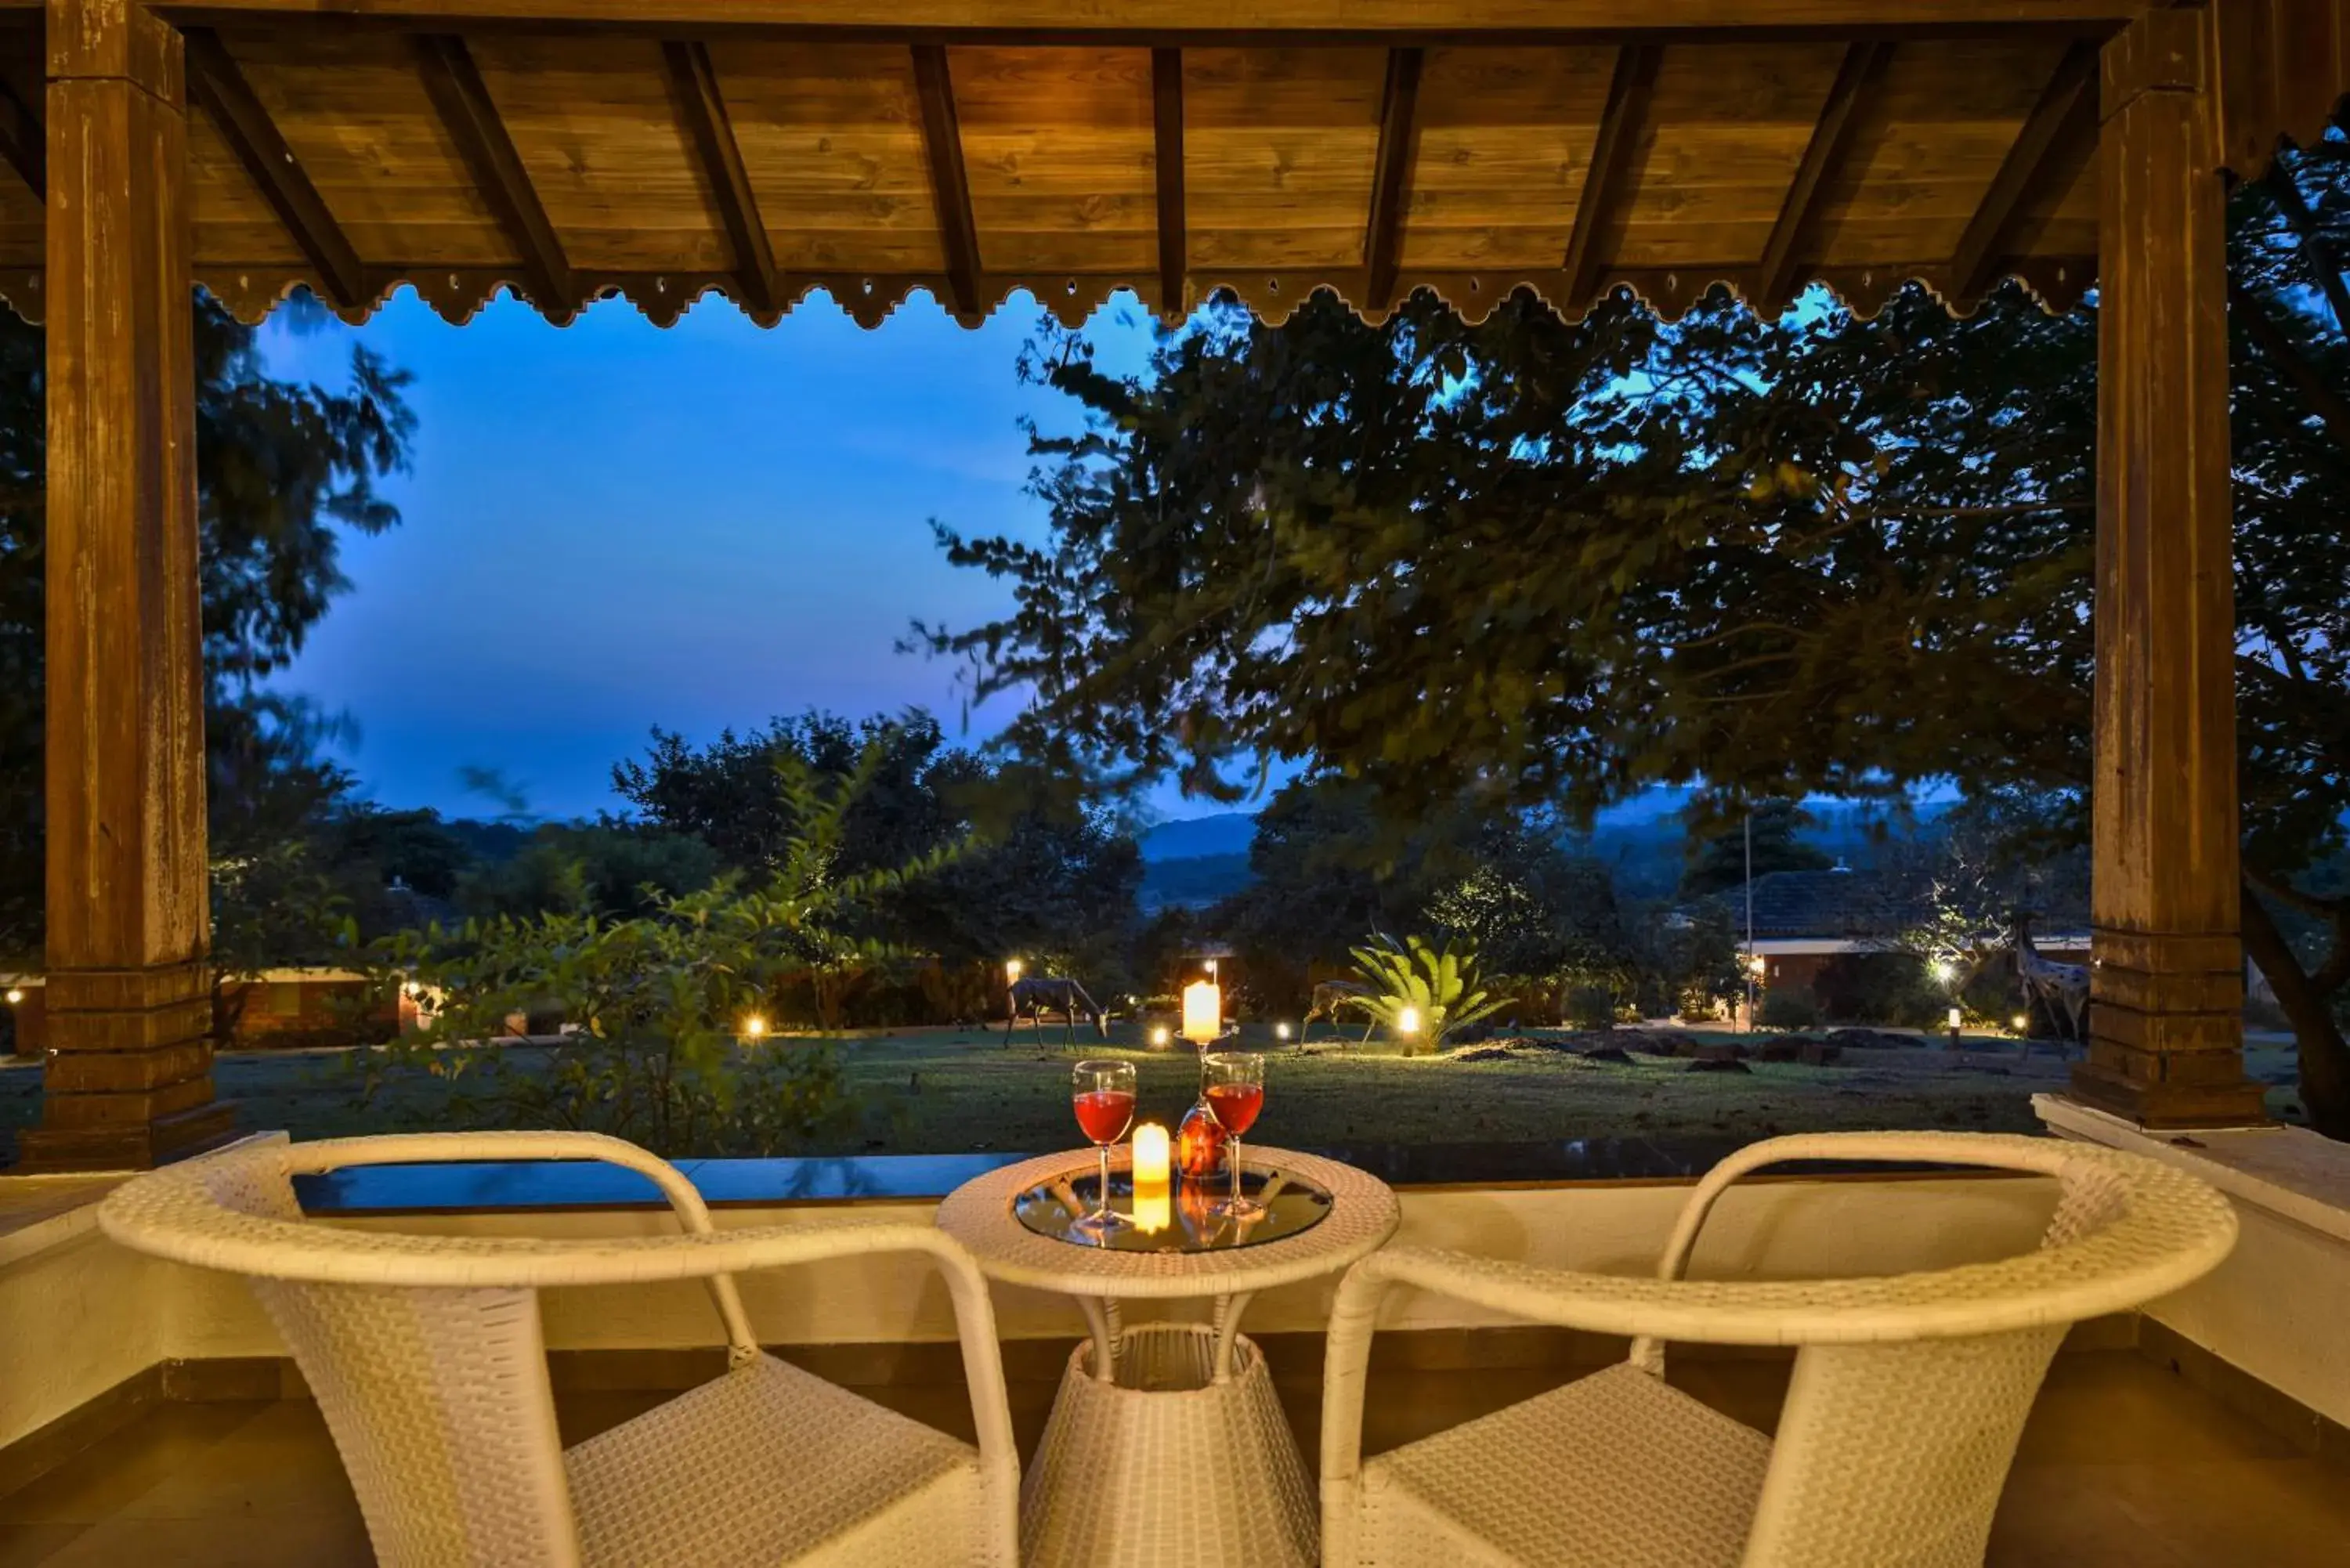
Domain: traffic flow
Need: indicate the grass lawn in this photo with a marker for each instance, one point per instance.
(944, 1091)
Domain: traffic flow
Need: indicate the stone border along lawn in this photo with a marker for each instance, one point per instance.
(944, 1091)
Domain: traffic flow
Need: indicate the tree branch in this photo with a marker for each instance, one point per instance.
(2279, 348)
(2286, 192)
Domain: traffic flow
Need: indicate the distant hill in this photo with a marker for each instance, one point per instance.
(1225, 833)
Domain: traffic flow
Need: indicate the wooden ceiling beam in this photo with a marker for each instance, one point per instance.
(2067, 108)
(693, 79)
(1383, 241)
(1629, 89)
(1361, 22)
(217, 84)
(950, 187)
(472, 119)
(1831, 138)
(1174, 241)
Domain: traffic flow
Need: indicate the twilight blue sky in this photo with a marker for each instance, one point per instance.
(609, 526)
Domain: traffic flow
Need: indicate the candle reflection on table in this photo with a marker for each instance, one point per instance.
(1153, 1204)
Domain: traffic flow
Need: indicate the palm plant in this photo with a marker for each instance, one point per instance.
(1422, 993)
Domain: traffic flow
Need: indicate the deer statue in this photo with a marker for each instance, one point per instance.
(1036, 997)
(2061, 988)
(1332, 997)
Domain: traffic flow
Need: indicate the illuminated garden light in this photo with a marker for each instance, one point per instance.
(1955, 1020)
(2022, 1022)
(753, 1027)
(1407, 1021)
(1013, 969)
(15, 995)
(1945, 971)
(1281, 1032)
(1159, 1034)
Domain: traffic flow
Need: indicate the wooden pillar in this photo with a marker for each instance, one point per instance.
(2166, 991)
(128, 1081)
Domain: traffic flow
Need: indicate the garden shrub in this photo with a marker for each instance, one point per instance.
(1789, 1010)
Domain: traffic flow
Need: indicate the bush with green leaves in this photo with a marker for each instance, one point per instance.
(662, 1047)
(1789, 1010)
(1422, 993)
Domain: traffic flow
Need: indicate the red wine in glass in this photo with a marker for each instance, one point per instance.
(1235, 1096)
(1104, 1114)
(1235, 1106)
(1102, 1095)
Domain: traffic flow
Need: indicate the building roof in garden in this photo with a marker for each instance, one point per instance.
(660, 149)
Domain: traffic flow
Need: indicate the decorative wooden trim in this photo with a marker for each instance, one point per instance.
(1775, 276)
(457, 294)
(472, 118)
(1167, 124)
(1383, 241)
(220, 87)
(703, 110)
(23, 143)
(942, 140)
(2064, 116)
(1629, 90)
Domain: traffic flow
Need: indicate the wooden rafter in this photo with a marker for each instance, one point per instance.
(694, 81)
(215, 83)
(23, 141)
(1831, 134)
(1383, 243)
(1629, 91)
(472, 118)
(1167, 120)
(2065, 112)
(943, 142)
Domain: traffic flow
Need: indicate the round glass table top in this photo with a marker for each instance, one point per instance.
(1179, 1218)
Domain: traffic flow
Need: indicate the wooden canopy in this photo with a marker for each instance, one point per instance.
(575, 149)
(659, 148)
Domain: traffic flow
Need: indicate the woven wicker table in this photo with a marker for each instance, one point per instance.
(1166, 1444)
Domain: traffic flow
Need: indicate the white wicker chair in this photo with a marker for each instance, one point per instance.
(1910, 1390)
(426, 1357)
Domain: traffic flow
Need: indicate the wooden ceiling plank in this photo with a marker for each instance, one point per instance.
(694, 81)
(1167, 123)
(2065, 107)
(1383, 243)
(1831, 138)
(217, 84)
(1629, 91)
(950, 187)
(470, 116)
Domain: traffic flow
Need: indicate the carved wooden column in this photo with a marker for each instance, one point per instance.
(129, 1075)
(2166, 1026)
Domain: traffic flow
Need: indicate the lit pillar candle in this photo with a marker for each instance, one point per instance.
(1152, 1211)
(1203, 1012)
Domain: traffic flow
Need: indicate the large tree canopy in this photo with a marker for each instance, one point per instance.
(1554, 563)
(282, 469)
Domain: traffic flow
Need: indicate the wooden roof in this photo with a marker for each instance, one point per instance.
(659, 148)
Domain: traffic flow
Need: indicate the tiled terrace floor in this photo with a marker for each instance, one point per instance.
(2123, 1464)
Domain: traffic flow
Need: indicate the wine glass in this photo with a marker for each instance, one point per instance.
(1102, 1094)
(1235, 1096)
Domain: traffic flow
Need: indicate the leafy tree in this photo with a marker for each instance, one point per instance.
(1722, 856)
(282, 470)
(1550, 563)
(606, 869)
(665, 1053)
(1039, 875)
